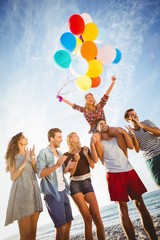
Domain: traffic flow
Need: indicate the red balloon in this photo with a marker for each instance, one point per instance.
(76, 24)
(95, 82)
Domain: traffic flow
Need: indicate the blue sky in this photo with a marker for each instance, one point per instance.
(29, 36)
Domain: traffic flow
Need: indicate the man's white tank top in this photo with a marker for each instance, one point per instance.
(114, 158)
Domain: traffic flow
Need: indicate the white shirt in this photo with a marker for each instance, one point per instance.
(59, 172)
(114, 158)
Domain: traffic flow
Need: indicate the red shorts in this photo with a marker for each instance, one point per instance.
(123, 185)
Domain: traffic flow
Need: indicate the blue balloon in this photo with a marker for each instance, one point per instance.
(68, 41)
(62, 59)
(118, 56)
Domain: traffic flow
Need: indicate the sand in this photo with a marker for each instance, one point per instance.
(115, 232)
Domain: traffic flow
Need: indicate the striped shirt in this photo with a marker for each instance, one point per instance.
(149, 143)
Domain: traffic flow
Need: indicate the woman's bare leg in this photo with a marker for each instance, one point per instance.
(94, 210)
(84, 210)
(28, 227)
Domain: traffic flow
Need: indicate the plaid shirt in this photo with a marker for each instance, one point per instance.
(93, 117)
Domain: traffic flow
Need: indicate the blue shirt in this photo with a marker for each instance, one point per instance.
(49, 184)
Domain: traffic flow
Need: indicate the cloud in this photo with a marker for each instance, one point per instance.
(30, 33)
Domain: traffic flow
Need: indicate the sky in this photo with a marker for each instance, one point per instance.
(30, 35)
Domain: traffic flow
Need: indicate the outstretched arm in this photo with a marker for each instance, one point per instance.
(111, 86)
(64, 100)
(73, 105)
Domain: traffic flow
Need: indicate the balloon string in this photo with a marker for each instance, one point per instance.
(58, 93)
(81, 38)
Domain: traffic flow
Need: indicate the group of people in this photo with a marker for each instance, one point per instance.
(107, 144)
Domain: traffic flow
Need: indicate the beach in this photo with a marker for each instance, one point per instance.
(110, 217)
(115, 232)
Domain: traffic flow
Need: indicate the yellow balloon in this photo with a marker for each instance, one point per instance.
(90, 32)
(78, 43)
(83, 83)
(95, 68)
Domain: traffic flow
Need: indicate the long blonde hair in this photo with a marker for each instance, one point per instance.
(70, 145)
(12, 151)
(88, 107)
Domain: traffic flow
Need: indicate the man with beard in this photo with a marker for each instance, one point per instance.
(123, 181)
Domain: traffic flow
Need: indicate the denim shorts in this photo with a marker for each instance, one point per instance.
(153, 166)
(59, 211)
(83, 186)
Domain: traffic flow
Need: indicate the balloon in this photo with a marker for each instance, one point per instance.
(95, 82)
(95, 68)
(78, 43)
(90, 32)
(76, 24)
(106, 54)
(89, 50)
(86, 17)
(101, 35)
(118, 56)
(68, 41)
(78, 66)
(62, 59)
(83, 83)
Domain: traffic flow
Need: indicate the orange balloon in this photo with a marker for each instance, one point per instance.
(95, 82)
(89, 50)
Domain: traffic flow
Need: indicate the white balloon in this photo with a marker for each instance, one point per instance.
(106, 54)
(78, 66)
(86, 17)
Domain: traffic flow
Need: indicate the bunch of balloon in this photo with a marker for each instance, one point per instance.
(81, 55)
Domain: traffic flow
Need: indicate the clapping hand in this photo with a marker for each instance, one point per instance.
(130, 129)
(71, 164)
(61, 160)
(32, 153)
(85, 150)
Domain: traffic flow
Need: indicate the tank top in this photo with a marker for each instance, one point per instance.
(114, 158)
